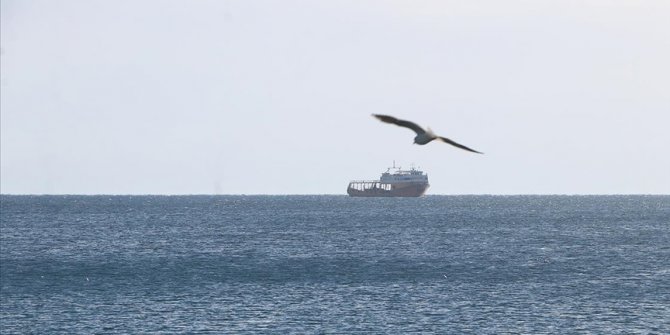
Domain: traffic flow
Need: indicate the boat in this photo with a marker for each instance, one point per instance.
(395, 182)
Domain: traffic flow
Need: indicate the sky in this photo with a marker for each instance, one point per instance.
(276, 97)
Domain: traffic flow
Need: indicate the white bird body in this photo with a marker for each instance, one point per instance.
(424, 138)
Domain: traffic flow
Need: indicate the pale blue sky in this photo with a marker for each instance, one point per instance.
(275, 97)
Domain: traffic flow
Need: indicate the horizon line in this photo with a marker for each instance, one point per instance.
(327, 194)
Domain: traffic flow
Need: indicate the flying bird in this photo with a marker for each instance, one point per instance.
(422, 136)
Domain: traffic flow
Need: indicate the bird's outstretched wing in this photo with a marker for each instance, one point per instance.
(402, 123)
(446, 140)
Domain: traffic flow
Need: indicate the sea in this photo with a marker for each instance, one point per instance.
(331, 264)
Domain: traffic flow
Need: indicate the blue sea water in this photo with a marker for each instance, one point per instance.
(334, 264)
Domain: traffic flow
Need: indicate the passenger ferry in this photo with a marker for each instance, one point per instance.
(395, 182)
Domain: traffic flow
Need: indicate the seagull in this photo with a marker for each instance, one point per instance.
(422, 136)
